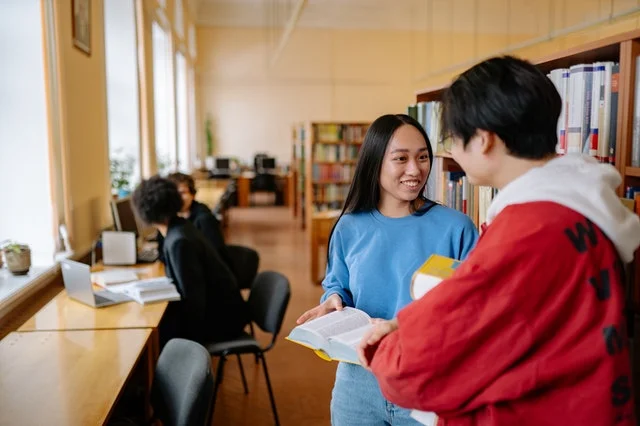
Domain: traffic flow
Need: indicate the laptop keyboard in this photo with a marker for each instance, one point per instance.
(101, 299)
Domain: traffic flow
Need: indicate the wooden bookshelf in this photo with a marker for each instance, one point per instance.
(297, 171)
(330, 151)
(620, 48)
(623, 49)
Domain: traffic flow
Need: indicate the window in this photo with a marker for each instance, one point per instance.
(163, 99)
(122, 94)
(26, 206)
(182, 108)
(178, 18)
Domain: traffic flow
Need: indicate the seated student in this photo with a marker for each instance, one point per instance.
(530, 329)
(211, 308)
(200, 215)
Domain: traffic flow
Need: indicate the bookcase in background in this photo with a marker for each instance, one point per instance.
(623, 50)
(325, 154)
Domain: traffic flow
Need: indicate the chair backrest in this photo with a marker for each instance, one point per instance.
(268, 301)
(183, 385)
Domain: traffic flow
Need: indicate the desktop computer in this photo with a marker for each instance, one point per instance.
(265, 165)
(125, 220)
(222, 168)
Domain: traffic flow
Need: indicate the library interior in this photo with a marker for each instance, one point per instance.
(209, 180)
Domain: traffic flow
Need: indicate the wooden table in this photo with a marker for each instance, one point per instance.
(65, 377)
(244, 188)
(321, 225)
(64, 313)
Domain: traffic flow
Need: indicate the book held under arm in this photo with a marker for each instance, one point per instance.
(335, 336)
(431, 273)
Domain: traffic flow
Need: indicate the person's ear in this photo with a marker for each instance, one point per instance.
(487, 141)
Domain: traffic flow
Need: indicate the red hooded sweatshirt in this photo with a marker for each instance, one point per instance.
(530, 330)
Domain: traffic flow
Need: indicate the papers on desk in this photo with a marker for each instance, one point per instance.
(110, 277)
(148, 290)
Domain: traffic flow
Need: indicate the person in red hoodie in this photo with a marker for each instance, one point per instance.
(530, 329)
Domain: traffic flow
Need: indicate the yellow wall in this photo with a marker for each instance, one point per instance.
(82, 86)
(321, 75)
(84, 125)
(335, 74)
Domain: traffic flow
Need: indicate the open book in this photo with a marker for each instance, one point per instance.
(148, 290)
(334, 336)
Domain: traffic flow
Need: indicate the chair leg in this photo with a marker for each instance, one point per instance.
(273, 402)
(244, 379)
(254, 335)
(216, 385)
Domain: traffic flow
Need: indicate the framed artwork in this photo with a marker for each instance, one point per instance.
(81, 21)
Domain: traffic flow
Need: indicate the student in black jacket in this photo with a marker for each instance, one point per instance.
(211, 306)
(200, 215)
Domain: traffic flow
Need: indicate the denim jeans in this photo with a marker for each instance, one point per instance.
(356, 400)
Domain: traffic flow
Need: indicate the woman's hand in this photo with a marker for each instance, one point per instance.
(371, 339)
(333, 303)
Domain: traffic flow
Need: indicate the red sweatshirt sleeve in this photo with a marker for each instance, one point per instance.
(461, 336)
(522, 319)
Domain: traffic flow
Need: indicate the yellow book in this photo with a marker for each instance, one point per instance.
(335, 336)
(429, 275)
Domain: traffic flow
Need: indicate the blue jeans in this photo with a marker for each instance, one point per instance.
(356, 400)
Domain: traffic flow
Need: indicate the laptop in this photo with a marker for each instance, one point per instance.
(77, 282)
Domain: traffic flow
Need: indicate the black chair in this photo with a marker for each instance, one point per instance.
(182, 388)
(268, 303)
(245, 262)
(264, 182)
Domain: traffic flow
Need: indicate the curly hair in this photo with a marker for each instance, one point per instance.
(179, 178)
(156, 200)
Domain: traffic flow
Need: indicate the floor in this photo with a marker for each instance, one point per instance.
(301, 381)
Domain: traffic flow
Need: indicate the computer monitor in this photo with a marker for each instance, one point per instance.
(266, 163)
(222, 164)
(124, 218)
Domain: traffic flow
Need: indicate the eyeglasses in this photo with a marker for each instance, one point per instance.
(447, 144)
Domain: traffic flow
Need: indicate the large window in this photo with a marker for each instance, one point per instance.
(182, 109)
(26, 202)
(163, 96)
(122, 94)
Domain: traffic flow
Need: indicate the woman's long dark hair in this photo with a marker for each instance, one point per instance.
(364, 192)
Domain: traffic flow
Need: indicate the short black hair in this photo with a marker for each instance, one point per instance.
(156, 200)
(509, 97)
(179, 178)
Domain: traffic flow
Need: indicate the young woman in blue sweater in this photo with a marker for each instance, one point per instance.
(387, 229)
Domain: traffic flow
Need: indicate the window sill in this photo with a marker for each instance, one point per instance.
(14, 289)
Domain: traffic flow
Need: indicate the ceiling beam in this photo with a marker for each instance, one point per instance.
(288, 29)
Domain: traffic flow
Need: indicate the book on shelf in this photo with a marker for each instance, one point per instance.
(334, 336)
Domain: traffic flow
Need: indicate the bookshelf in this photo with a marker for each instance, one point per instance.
(327, 154)
(297, 171)
(622, 49)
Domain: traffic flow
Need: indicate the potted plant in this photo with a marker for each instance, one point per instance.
(18, 257)
(121, 168)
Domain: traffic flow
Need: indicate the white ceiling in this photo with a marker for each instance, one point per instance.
(357, 14)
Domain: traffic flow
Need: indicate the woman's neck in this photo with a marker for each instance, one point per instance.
(394, 208)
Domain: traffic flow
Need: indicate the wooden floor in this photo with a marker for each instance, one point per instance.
(301, 381)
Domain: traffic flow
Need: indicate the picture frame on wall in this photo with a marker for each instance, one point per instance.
(81, 23)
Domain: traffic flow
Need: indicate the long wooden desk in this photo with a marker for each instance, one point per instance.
(66, 377)
(64, 314)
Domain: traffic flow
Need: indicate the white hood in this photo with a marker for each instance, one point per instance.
(582, 184)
